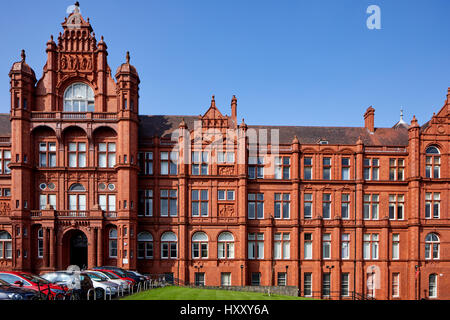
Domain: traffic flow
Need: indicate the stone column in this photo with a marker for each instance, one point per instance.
(91, 249)
(99, 247)
(52, 248)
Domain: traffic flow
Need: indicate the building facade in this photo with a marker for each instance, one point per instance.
(86, 180)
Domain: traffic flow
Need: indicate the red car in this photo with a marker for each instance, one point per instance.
(31, 281)
(120, 274)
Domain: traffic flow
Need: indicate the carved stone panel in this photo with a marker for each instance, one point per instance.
(74, 62)
(226, 210)
(5, 208)
(226, 170)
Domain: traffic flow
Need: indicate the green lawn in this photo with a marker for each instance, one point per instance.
(181, 293)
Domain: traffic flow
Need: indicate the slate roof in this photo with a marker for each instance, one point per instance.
(162, 126)
(341, 135)
(5, 125)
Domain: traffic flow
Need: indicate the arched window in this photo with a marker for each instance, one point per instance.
(199, 245)
(77, 187)
(113, 243)
(169, 245)
(432, 246)
(79, 97)
(5, 245)
(433, 163)
(432, 150)
(145, 245)
(225, 247)
(432, 285)
(77, 201)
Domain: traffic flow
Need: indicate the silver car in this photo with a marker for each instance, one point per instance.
(102, 285)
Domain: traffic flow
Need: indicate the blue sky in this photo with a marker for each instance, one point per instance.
(289, 62)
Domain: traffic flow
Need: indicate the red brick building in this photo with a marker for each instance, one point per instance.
(86, 180)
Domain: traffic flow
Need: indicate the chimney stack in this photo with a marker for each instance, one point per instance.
(369, 119)
(234, 109)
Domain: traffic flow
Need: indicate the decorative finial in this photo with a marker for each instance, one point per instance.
(128, 57)
(401, 113)
(183, 124)
(51, 37)
(243, 125)
(101, 38)
(77, 4)
(359, 141)
(23, 55)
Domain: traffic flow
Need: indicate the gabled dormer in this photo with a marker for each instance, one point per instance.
(213, 118)
(76, 76)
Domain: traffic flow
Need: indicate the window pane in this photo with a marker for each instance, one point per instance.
(102, 160)
(102, 202)
(82, 202)
(81, 160)
(72, 160)
(112, 160)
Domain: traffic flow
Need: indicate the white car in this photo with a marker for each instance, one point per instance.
(113, 278)
(101, 283)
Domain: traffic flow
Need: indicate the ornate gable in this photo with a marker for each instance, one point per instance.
(213, 118)
(76, 57)
(440, 122)
(76, 52)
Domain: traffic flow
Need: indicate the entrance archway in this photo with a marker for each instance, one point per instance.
(76, 244)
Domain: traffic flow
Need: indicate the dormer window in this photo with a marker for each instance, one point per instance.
(79, 97)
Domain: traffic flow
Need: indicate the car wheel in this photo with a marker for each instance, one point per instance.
(99, 294)
(59, 296)
(75, 296)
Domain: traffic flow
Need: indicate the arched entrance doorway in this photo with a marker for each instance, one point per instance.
(76, 246)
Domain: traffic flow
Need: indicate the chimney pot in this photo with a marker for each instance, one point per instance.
(369, 119)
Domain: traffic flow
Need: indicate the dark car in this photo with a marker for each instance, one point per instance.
(121, 272)
(9, 292)
(30, 281)
(142, 276)
(76, 281)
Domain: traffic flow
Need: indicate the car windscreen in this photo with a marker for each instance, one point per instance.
(131, 275)
(34, 279)
(100, 275)
(120, 273)
(95, 277)
(4, 283)
(111, 275)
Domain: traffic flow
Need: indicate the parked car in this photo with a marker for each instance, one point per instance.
(78, 282)
(142, 276)
(117, 270)
(30, 281)
(101, 285)
(120, 274)
(9, 292)
(113, 278)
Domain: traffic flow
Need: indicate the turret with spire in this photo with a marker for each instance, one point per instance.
(401, 123)
(128, 84)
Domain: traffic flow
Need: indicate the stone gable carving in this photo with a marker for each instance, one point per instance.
(226, 210)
